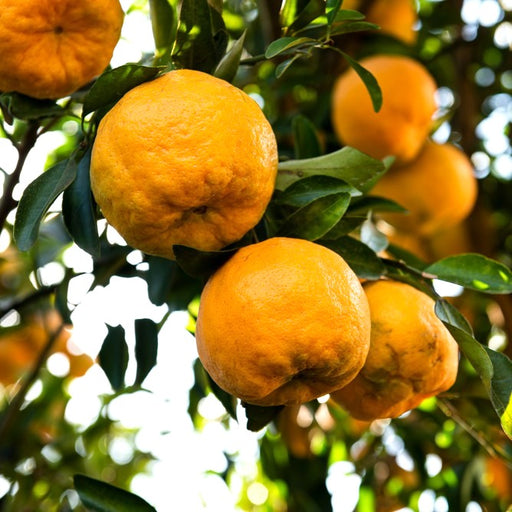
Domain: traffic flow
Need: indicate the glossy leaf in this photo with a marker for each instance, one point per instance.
(473, 271)
(146, 347)
(352, 26)
(29, 109)
(315, 219)
(259, 416)
(348, 164)
(37, 199)
(113, 356)
(228, 66)
(112, 85)
(363, 261)
(305, 139)
(400, 271)
(200, 264)
(303, 192)
(332, 9)
(286, 44)
(366, 204)
(312, 10)
(202, 38)
(78, 209)
(102, 497)
(163, 24)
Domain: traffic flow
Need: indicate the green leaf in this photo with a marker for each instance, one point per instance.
(375, 204)
(345, 226)
(312, 10)
(226, 399)
(37, 199)
(302, 192)
(159, 278)
(369, 81)
(286, 44)
(112, 85)
(305, 138)
(363, 261)
(372, 237)
(494, 368)
(349, 27)
(258, 416)
(113, 356)
(332, 9)
(315, 219)
(164, 25)
(146, 347)
(200, 264)
(102, 497)
(473, 271)
(348, 15)
(29, 109)
(282, 67)
(399, 271)
(348, 164)
(202, 37)
(78, 209)
(228, 66)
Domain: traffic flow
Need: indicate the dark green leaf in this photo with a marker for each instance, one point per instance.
(407, 257)
(348, 164)
(102, 497)
(313, 9)
(369, 81)
(363, 261)
(316, 218)
(450, 314)
(228, 66)
(200, 264)
(227, 400)
(285, 44)
(282, 67)
(202, 38)
(303, 192)
(375, 204)
(78, 209)
(159, 278)
(112, 85)
(29, 109)
(332, 8)
(473, 271)
(348, 15)
(345, 226)
(164, 24)
(305, 139)
(37, 198)
(113, 356)
(258, 416)
(352, 26)
(146, 347)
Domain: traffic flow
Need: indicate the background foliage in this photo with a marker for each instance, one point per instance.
(450, 452)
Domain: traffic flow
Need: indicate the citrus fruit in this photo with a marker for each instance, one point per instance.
(284, 321)
(412, 355)
(438, 189)
(50, 49)
(401, 126)
(184, 159)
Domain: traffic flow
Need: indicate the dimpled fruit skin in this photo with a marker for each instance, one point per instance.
(284, 321)
(438, 188)
(401, 126)
(412, 355)
(184, 159)
(51, 48)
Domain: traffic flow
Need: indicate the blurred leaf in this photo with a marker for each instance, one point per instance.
(228, 66)
(348, 164)
(112, 85)
(302, 192)
(258, 416)
(202, 38)
(37, 198)
(473, 271)
(27, 108)
(363, 261)
(372, 237)
(312, 10)
(282, 67)
(347, 15)
(332, 9)
(305, 139)
(102, 497)
(316, 218)
(78, 209)
(113, 356)
(164, 25)
(369, 81)
(285, 44)
(352, 26)
(146, 347)
(200, 264)
(375, 204)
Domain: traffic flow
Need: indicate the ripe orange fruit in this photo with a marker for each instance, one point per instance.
(51, 49)
(412, 355)
(284, 321)
(401, 126)
(394, 17)
(184, 159)
(438, 189)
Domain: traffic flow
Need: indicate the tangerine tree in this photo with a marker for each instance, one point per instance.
(322, 186)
